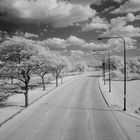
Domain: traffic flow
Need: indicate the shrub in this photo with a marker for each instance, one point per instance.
(116, 74)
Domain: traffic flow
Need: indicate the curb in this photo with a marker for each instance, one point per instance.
(12, 116)
(103, 93)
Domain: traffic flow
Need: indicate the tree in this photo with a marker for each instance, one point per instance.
(134, 65)
(80, 66)
(116, 63)
(7, 71)
(19, 52)
(42, 67)
(59, 62)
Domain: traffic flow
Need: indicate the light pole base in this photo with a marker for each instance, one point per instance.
(124, 109)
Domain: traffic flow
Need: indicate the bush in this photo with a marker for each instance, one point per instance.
(116, 75)
(7, 90)
(134, 76)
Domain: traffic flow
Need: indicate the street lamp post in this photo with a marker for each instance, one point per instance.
(124, 66)
(103, 65)
(109, 72)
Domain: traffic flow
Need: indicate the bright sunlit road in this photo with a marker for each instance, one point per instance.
(74, 111)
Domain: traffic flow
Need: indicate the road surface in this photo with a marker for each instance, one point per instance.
(74, 111)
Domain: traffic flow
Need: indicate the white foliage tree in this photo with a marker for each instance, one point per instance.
(19, 52)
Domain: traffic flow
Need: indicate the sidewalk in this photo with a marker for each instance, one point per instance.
(15, 104)
(128, 120)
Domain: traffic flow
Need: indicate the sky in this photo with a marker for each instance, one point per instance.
(72, 27)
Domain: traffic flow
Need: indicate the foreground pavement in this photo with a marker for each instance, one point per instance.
(74, 111)
(129, 120)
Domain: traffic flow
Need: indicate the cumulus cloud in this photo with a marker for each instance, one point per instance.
(64, 43)
(83, 2)
(118, 1)
(119, 27)
(59, 13)
(118, 45)
(54, 43)
(130, 17)
(99, 2)
(76, 53)
(125, 31)
(73, 40)
(100, 47)
(96, 23)
(29, 35)
(121, 21)
(129, 6)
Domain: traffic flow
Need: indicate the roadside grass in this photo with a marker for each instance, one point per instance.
(118, 76)
(133, 90)
(8, 89)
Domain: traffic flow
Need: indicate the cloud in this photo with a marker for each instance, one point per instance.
(124, 31)
(100, 47)
(73, 40)
(83, 2)
(119, 1)
(121, 21)
(54, 43)
(130, 17)
(70, 42)
(96, 23)
(118, 45)
(106, 6)
(115, 44)
(58, 13)
(119, 27)
(100, 23)
(64, 43)
(29, 35)
(76, 53)
(129, 6)
(100, 2)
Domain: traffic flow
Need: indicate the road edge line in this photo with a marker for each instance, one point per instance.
(103, 94)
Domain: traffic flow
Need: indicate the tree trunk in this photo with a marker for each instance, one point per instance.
(43, 82)
(56, 81)
(26, 94)
(26, 99)
(12, 80)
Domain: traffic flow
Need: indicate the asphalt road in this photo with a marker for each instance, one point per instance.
(74, 111)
